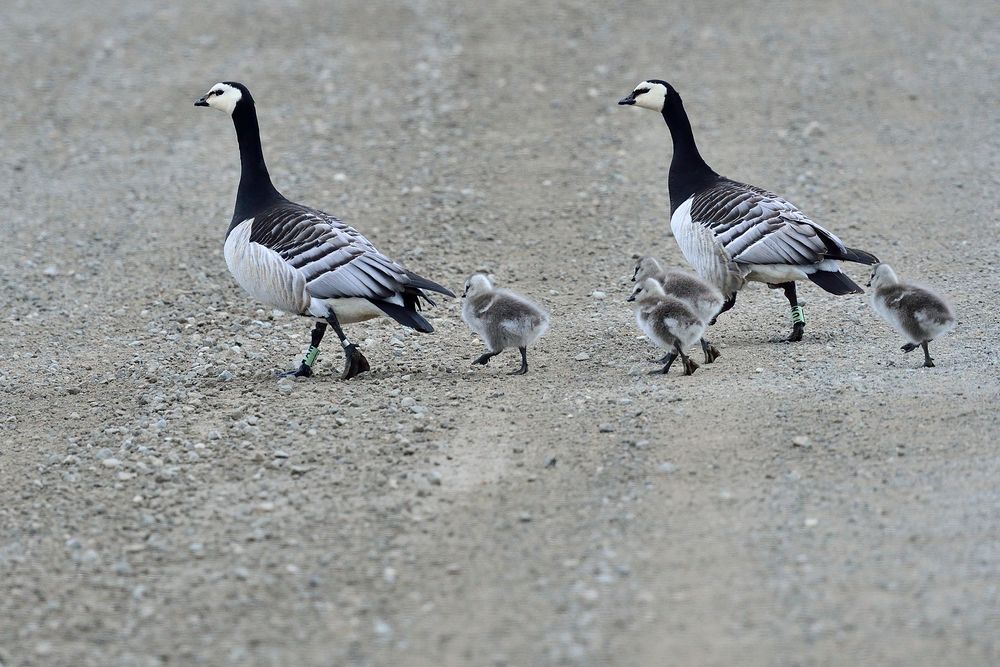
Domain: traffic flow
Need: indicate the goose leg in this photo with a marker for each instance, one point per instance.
(928, 362)
(524, 362)
(909, 347)
(798, 316)
(354, 362)
(484, 358)
(305, 368)
(726, 305)
(669, 362)
(711, 352)
(689, 366)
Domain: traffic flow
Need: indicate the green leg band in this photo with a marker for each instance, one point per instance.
(311, 356)
(798, 317)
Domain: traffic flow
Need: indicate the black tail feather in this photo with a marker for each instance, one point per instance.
(420, 282)
(854, 255)
(835, 282)
(405, 316)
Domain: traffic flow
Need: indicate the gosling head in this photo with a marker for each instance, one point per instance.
(225, 96)
(650, 94)
(882, 276)
(477, 283)
(645, 267)
(647, 290)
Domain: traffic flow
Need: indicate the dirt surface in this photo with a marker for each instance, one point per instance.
(165, 500)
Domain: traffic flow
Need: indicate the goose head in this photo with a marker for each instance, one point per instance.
(477, 283)
(225, 96)
(650, 94)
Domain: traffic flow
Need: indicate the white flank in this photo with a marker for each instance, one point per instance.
(352, 309)
(706, 257)
(263, 273)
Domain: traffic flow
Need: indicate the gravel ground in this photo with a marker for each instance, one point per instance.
(165, 500)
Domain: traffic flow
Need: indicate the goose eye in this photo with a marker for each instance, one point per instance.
(216, 92)
(641, 91)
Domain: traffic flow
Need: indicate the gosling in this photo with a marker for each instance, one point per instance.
(916, 313)
(501, 319)
(703, 299)
(667, 321)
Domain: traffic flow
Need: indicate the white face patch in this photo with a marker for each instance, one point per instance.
(650, 95)
(223, 97)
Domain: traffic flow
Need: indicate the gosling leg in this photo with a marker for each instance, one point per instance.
(666, 369)
(524, 362)
(711, 352)
(484, 358)
(928, 362)
(689, 366)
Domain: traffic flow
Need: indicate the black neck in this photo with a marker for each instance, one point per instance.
(256, 191)
(688, 171)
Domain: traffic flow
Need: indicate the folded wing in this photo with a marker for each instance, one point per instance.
(755, 226)
(335, 259)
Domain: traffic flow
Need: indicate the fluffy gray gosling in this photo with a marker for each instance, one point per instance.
(916, 313)
(701, 297)
(502, 319)
(667, 321)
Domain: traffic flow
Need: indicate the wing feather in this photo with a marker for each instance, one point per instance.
(335, 259)
(755, 226)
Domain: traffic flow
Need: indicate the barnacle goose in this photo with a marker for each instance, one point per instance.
(916, 313)
(502, 319)
(304, 261)
(731, 232)
(667, 321)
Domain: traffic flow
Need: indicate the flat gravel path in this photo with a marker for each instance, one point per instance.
(165, 500)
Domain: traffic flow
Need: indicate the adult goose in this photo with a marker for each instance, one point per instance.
(304, 261)
(731, 232)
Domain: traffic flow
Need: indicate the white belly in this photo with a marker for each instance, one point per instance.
(783, 273)
(706, 257)
(263, 273)
(352, 309)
